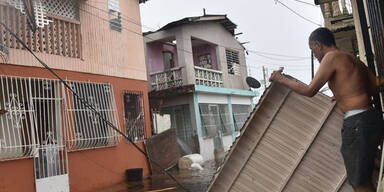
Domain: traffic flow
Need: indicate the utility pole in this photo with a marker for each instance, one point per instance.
(265, 78)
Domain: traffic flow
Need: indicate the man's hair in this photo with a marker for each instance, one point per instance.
(323, 36)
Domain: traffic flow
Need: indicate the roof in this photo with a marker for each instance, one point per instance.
(289, 143)
(222, 19)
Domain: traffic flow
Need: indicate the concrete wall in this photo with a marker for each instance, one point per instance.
(155, 56)
(202, 50)
(213, 33)
(105, 52)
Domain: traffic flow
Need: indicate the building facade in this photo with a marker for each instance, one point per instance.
(196, 71)
(49, 139)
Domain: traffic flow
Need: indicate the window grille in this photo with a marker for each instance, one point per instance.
(205, 61)
(33, 117)
(114, 15)
(240, 115)
(63, 8)
(85, 129)
(233, 62)
(134, 115)
(214, 119)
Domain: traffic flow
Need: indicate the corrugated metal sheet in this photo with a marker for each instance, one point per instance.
(289, 143)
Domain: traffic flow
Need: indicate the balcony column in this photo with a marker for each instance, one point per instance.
(185, 57)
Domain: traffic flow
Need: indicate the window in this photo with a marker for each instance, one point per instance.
(33, 117)
(134, 115)
(240, 115)
(85, 129)
(215, 118)
(205, 61)
(180, 119)
(114, 15)
(168, 60)
(233, 62)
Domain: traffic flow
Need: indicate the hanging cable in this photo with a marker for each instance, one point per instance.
(85, 102)
(296, 13)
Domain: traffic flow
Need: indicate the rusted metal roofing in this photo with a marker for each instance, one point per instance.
(289, 143)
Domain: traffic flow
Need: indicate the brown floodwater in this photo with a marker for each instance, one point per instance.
(193, 180)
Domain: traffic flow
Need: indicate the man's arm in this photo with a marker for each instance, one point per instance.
(324, 73)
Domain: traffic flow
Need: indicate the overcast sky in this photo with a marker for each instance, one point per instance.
(268, 26)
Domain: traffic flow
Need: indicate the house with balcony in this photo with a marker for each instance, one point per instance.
(196, 81)
(49, 140)
(338, 17)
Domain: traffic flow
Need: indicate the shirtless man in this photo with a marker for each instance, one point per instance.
(353, 85)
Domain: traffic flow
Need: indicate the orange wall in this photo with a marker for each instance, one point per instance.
(88, 169)
(105, 51)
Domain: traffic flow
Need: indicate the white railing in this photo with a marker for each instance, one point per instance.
(167, 79)
(208, 77)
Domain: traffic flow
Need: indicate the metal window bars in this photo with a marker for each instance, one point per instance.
(85, 130)
(35, 123)
(134, 115)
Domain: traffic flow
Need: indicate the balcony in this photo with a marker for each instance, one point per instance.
(60, 37)
(166, 79)
(208, 77)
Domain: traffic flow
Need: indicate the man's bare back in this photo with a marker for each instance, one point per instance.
(351, 81)
(352, 85)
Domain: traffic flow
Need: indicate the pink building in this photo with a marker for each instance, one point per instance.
(49, 141)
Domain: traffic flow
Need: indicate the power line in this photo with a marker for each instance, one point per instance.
(90, 106)
(303, 2)
(296, 13)
(275, 54)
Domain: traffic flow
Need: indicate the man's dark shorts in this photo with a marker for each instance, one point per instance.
(361, 135)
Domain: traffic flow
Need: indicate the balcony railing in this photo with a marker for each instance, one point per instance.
(167, 79)
(208, 77)
(60, 37)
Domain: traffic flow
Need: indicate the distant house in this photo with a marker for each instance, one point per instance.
(48, 138)
(196, 74)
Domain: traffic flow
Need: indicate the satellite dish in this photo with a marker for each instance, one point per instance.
(252, 82)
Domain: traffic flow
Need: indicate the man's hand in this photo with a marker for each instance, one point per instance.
(3, 111)
(276, 76)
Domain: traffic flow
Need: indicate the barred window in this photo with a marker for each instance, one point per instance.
(233, 62)
(215, 118)
(31, 116)
(114, 15)
(134, 115)
(85, 128)
(240, 115)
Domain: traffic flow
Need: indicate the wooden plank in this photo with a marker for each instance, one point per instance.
(163, 148)
(63, 19)
(229, 169)
(301, 156)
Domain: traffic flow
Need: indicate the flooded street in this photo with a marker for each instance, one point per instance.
(193, 180)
